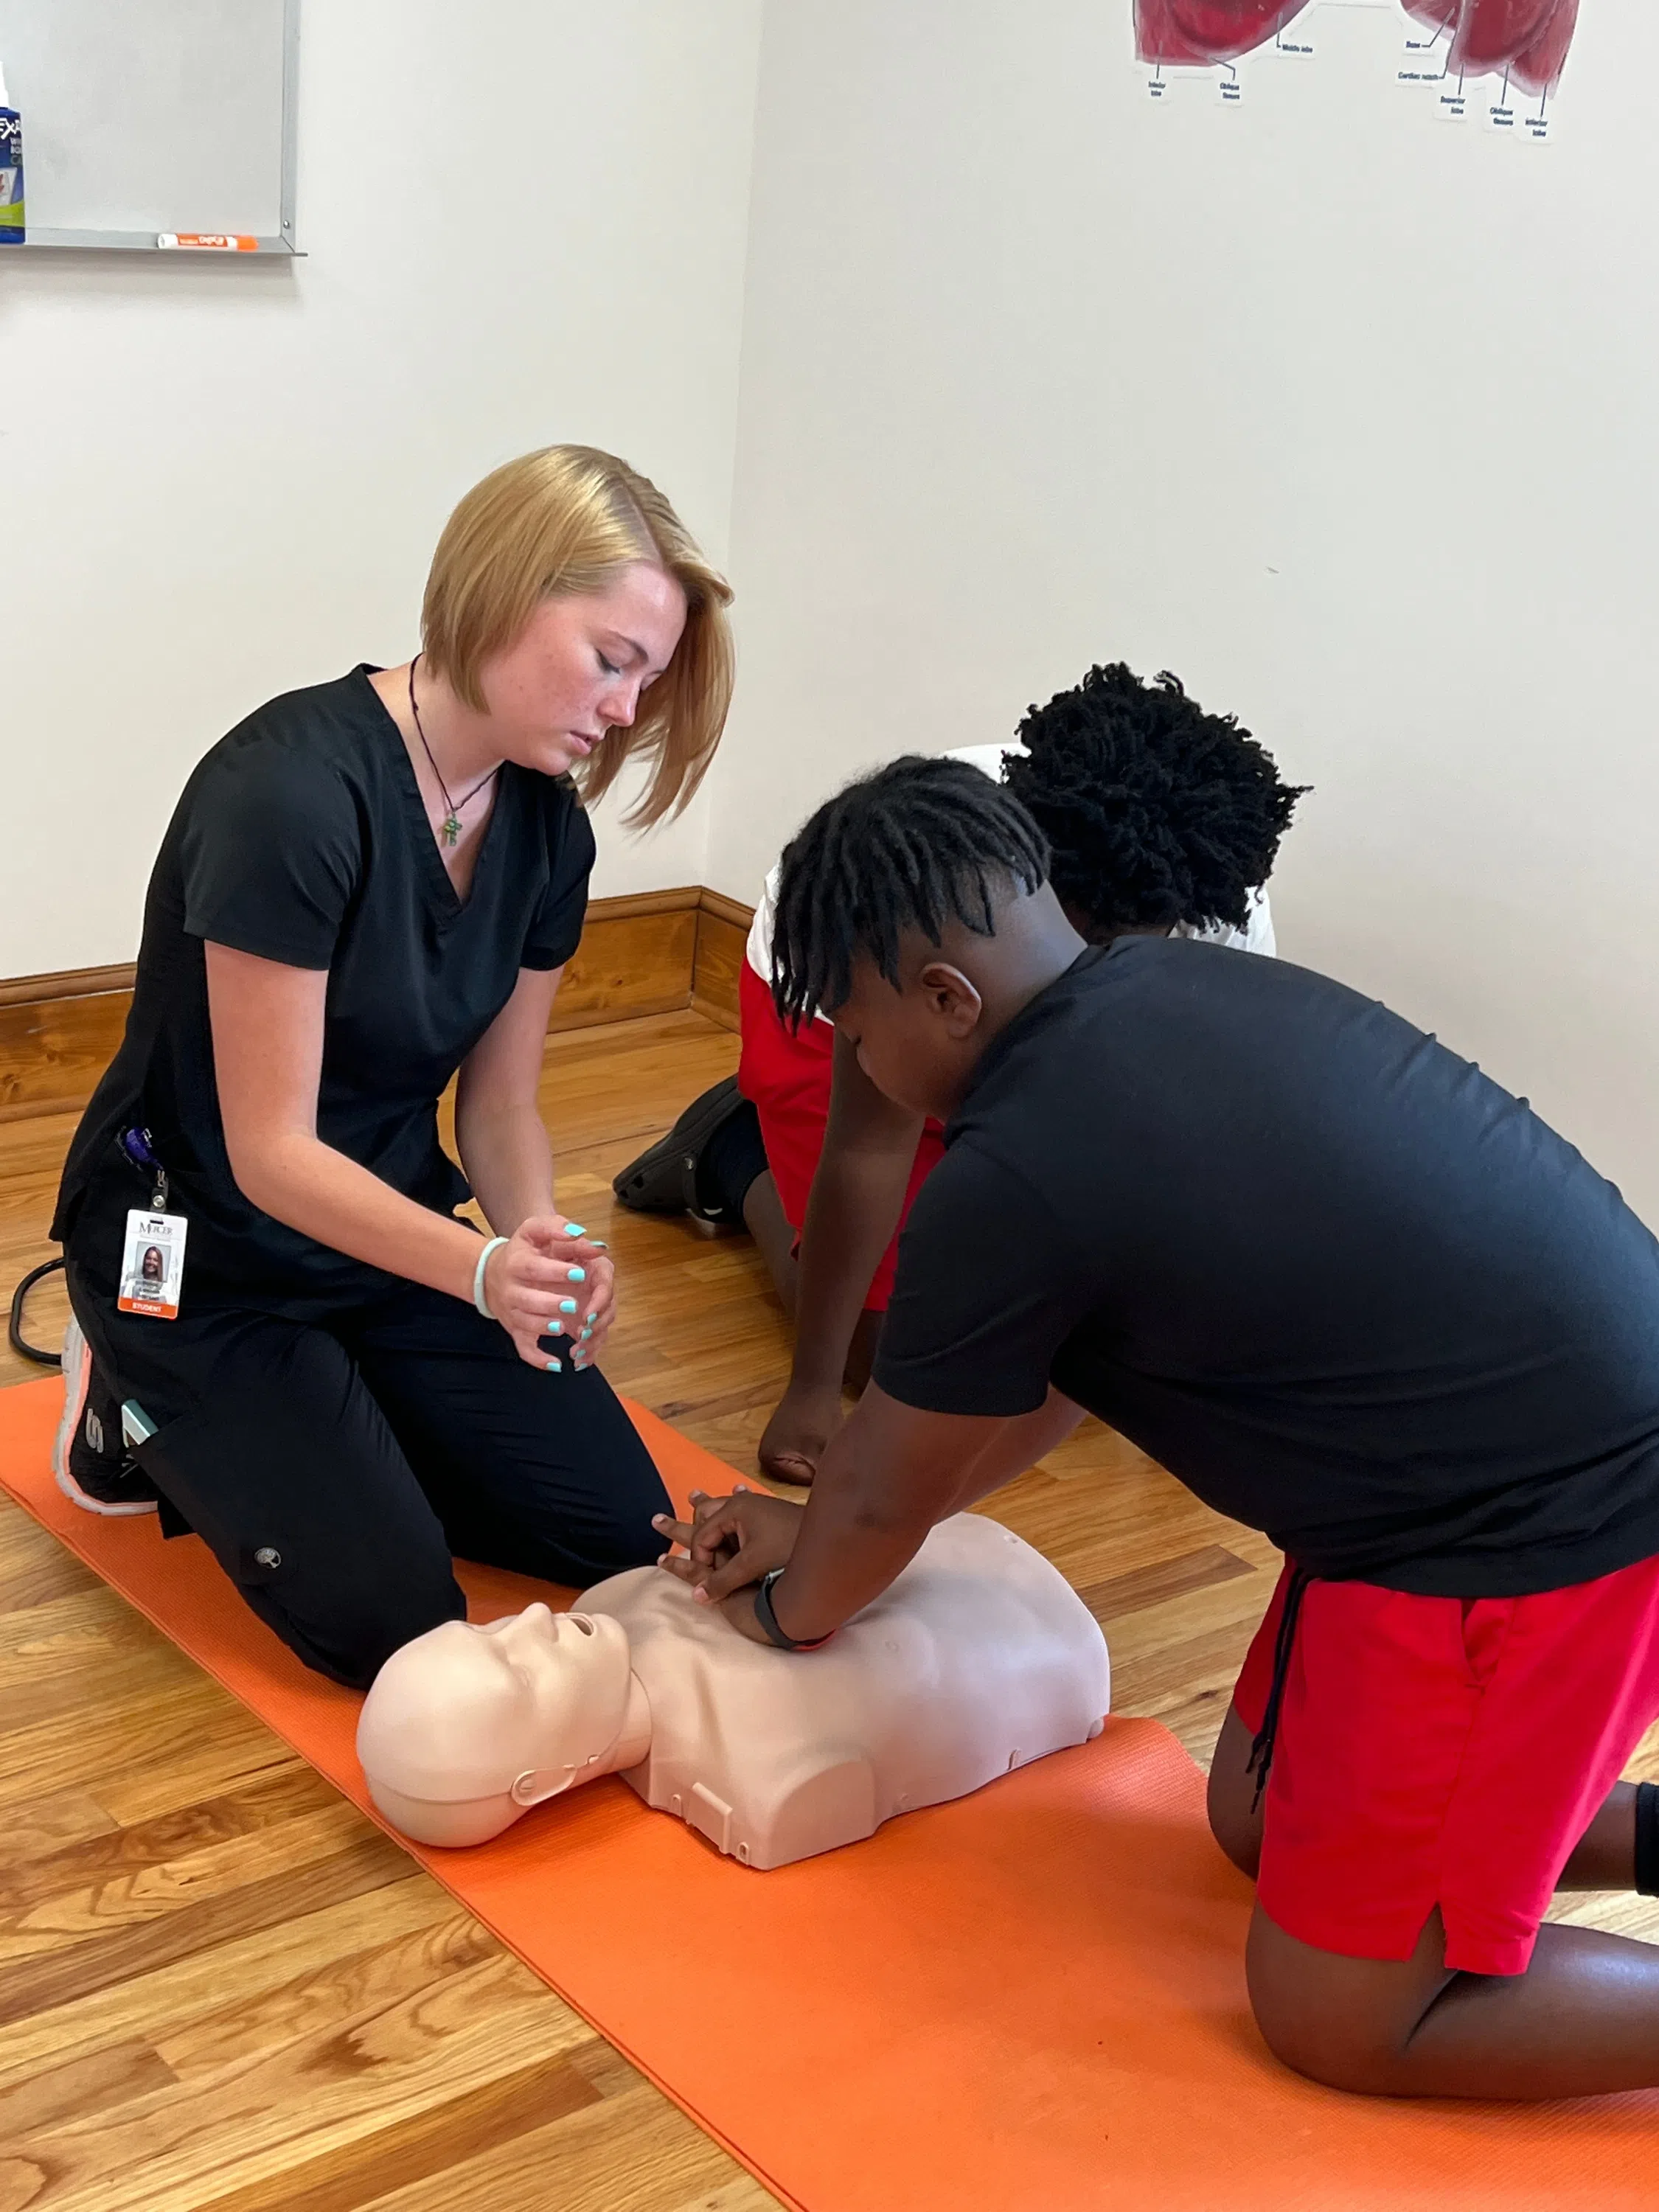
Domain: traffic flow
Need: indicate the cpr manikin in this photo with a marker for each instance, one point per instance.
(978, 1659)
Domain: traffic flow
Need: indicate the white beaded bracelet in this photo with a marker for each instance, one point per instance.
(478, 1297)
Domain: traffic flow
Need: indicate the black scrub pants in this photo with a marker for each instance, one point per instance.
(334, 1468)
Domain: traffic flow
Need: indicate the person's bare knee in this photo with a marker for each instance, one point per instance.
(1235, 1817)
(1347, 2023)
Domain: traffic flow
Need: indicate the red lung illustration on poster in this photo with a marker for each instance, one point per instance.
(1206, 30)
(1527, 38)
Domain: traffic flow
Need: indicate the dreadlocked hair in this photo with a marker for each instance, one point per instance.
(1159, 813)
(915, 845)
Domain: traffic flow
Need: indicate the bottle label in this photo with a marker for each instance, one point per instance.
(11, 177)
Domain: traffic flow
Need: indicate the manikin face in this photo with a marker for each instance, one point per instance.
(578, 668)
(521, 1706)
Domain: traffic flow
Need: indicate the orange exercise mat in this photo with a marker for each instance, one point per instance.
(1030, 2001)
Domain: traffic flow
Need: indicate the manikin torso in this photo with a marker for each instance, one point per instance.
(978, 1659)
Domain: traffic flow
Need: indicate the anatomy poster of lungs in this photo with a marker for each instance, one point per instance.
(1497, 61)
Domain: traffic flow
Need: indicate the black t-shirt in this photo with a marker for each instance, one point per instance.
(1331, 1276)
(302, 837)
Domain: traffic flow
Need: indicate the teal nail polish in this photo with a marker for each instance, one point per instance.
(554, 1328)
(575, 1229)
(555, 1367)
(577, 1275)
(598, 1244)
(566, 1305)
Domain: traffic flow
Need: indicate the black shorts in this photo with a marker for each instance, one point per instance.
(334, 1468)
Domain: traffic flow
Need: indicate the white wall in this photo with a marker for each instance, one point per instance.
(1345, 415)
(526, 221)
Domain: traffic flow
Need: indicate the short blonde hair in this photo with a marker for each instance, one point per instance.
(566, 520)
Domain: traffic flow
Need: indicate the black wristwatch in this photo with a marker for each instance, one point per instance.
(768, 1620)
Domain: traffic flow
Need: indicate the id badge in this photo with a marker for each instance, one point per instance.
(153, 1264)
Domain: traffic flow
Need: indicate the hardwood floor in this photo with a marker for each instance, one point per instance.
(222, 1990)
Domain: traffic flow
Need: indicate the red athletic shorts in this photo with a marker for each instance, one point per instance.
(786, 1074)
(1444, 1751)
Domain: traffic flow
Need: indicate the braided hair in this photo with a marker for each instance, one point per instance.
(915, 845)
(1157, 813)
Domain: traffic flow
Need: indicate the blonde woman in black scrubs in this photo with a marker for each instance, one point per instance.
(368, 887)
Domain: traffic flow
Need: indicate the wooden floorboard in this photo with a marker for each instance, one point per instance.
(221, 1991)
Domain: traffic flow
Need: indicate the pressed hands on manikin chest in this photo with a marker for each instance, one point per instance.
(727, 1544)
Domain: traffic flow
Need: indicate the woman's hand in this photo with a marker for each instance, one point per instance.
(552, 1279)
(730, 1541)
(802, 1424)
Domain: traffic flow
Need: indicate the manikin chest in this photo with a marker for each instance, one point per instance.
(980, 1658)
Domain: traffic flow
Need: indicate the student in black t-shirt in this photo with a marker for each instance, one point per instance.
(1349, 1291)
(369, 887)
(1161, 818)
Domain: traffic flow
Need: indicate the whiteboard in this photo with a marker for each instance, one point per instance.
(145, 116)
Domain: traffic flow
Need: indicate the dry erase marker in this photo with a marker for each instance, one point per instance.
(208, 241)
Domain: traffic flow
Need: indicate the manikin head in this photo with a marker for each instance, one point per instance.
(466, 1728)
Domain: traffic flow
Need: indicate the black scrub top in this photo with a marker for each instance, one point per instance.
(302, 837)
(1342, 1284)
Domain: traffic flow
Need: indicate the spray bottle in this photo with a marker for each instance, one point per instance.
(11, 172)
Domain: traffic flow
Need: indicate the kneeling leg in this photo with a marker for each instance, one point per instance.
(1235, 1814)
(1582, 2020)
(285, 1466)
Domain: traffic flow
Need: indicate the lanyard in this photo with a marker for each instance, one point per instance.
(135, 1144)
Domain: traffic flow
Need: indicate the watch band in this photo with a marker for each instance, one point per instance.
(768, 1620)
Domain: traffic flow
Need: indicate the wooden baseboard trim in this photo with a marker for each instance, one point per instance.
(644, 952)
(67, 983)
(726, 909)
(717, 961)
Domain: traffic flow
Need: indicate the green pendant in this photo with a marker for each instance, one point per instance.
(452, 829)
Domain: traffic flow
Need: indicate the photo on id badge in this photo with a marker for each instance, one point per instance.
(153, 1264)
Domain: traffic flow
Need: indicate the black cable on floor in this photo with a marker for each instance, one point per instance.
(15, 1326)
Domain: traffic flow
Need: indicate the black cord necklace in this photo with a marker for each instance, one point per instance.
(452, 824)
